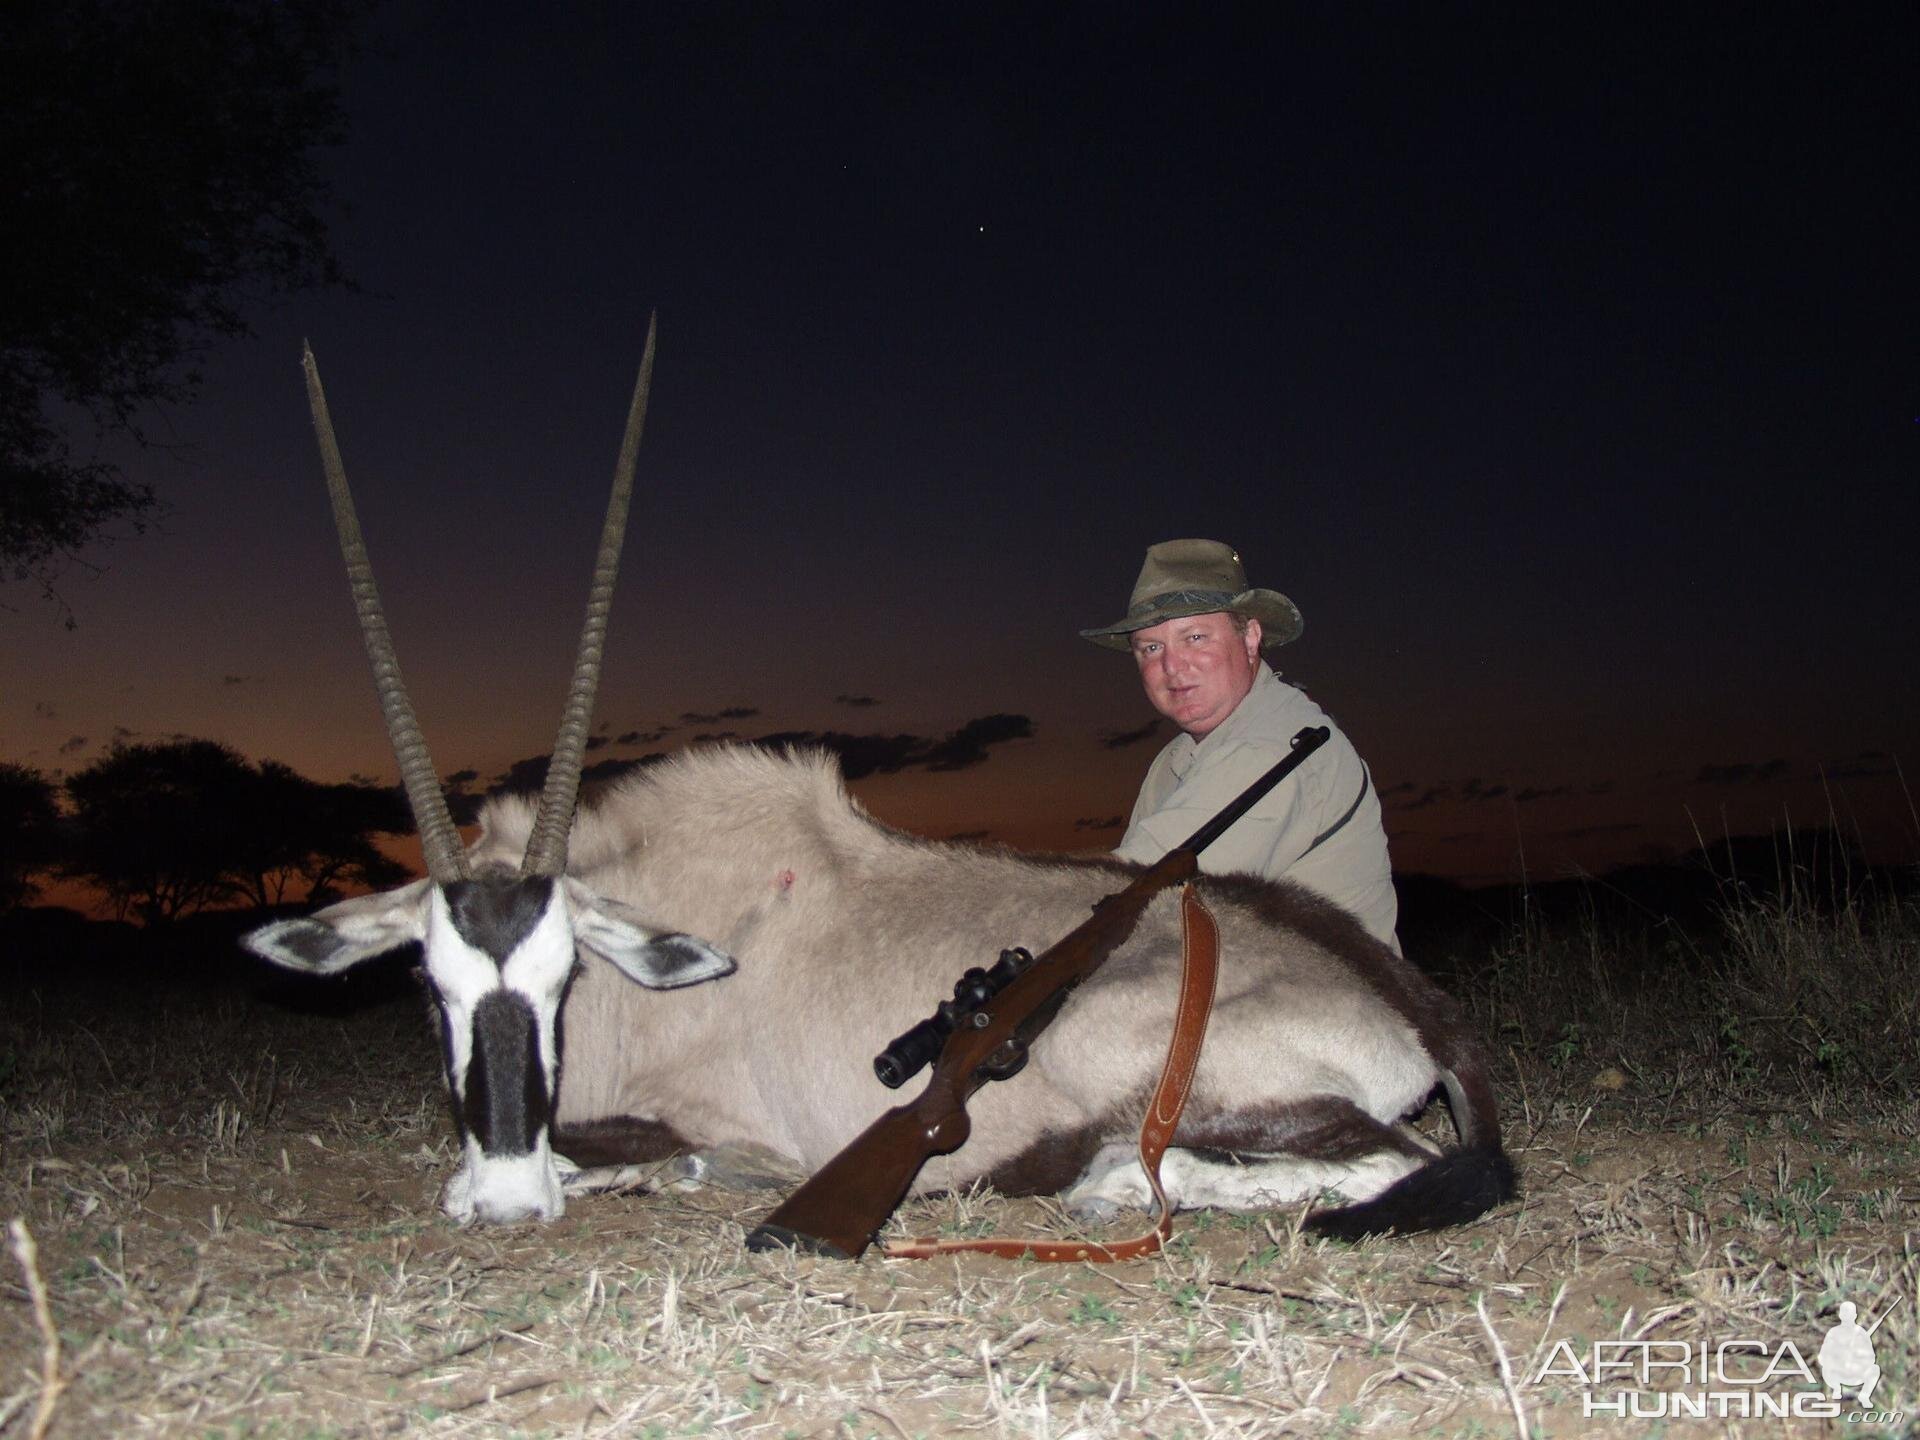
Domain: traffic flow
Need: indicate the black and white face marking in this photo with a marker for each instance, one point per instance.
(493, 915)
(505, 1103)
(499, 950)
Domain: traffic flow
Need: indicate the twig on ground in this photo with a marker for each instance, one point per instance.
(466, 1348)
(493, 1390)
(473, 1395)
(1206, 1420)
(898, 1428)
(10, 1405)
(300, 1224)
(51, 1381)
(1506, 1370)
(1553, 1310)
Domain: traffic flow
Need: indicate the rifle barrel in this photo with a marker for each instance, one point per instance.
(1304, 744)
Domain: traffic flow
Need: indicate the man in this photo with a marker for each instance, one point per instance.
(1196, 631)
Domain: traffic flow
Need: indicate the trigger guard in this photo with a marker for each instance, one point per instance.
(1006, 1062)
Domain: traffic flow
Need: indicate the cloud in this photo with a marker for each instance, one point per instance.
(644, 737)
(462, 803)
(858, 702)
(1121, 739)
(240, 679)
(42, 709)
(529, 777)
(522, 776)
(967, 746)
(1859, 770)
(597, 742)
(1867, 765)
(1742, 774)
(73, 744)
(860, 756)
(1533, 792)
(732, 712)
(1467, 790)
(605, 771)
(1470, 789)
(863, 755)
(1588, 832)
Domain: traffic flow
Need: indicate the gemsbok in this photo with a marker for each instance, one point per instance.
(705, 962)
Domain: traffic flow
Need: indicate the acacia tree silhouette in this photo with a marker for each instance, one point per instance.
(168, 828)
(29, 831)
(318, 835)
(160, 164)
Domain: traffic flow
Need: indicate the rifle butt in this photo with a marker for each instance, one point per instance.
(841, 1208)
(769, 1236)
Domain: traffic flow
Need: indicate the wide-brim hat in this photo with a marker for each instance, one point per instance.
(1199, 577)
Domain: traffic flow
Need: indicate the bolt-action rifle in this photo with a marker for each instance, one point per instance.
(983, 1033)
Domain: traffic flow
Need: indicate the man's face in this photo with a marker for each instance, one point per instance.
(1197, 669)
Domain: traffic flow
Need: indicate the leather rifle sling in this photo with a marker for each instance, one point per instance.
(1199, 968)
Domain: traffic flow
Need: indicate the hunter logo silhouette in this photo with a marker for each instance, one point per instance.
(1846, 1355)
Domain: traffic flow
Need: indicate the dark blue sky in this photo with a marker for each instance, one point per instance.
(1562, 369)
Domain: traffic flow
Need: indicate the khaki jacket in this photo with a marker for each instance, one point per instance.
(1321, 826)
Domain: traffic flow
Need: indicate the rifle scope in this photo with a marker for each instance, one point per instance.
(919, 1047)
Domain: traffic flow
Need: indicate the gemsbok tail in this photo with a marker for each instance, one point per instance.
(1452, 1188)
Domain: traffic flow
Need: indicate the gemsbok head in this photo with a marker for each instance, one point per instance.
(499, 942)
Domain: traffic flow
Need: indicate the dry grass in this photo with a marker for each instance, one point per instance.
(234, 1207)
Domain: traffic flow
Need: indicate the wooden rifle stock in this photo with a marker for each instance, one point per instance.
(840, 1209)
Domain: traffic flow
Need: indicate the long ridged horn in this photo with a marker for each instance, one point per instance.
(547, 845)
(439, 840)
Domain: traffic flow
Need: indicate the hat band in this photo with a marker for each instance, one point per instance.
(1214, 599)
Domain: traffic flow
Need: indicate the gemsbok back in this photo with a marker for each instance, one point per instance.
(590, 940)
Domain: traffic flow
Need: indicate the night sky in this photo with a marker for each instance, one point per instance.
(1562, 369)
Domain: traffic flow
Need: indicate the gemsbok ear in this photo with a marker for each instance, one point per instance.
(341, 936)
(659, 960)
